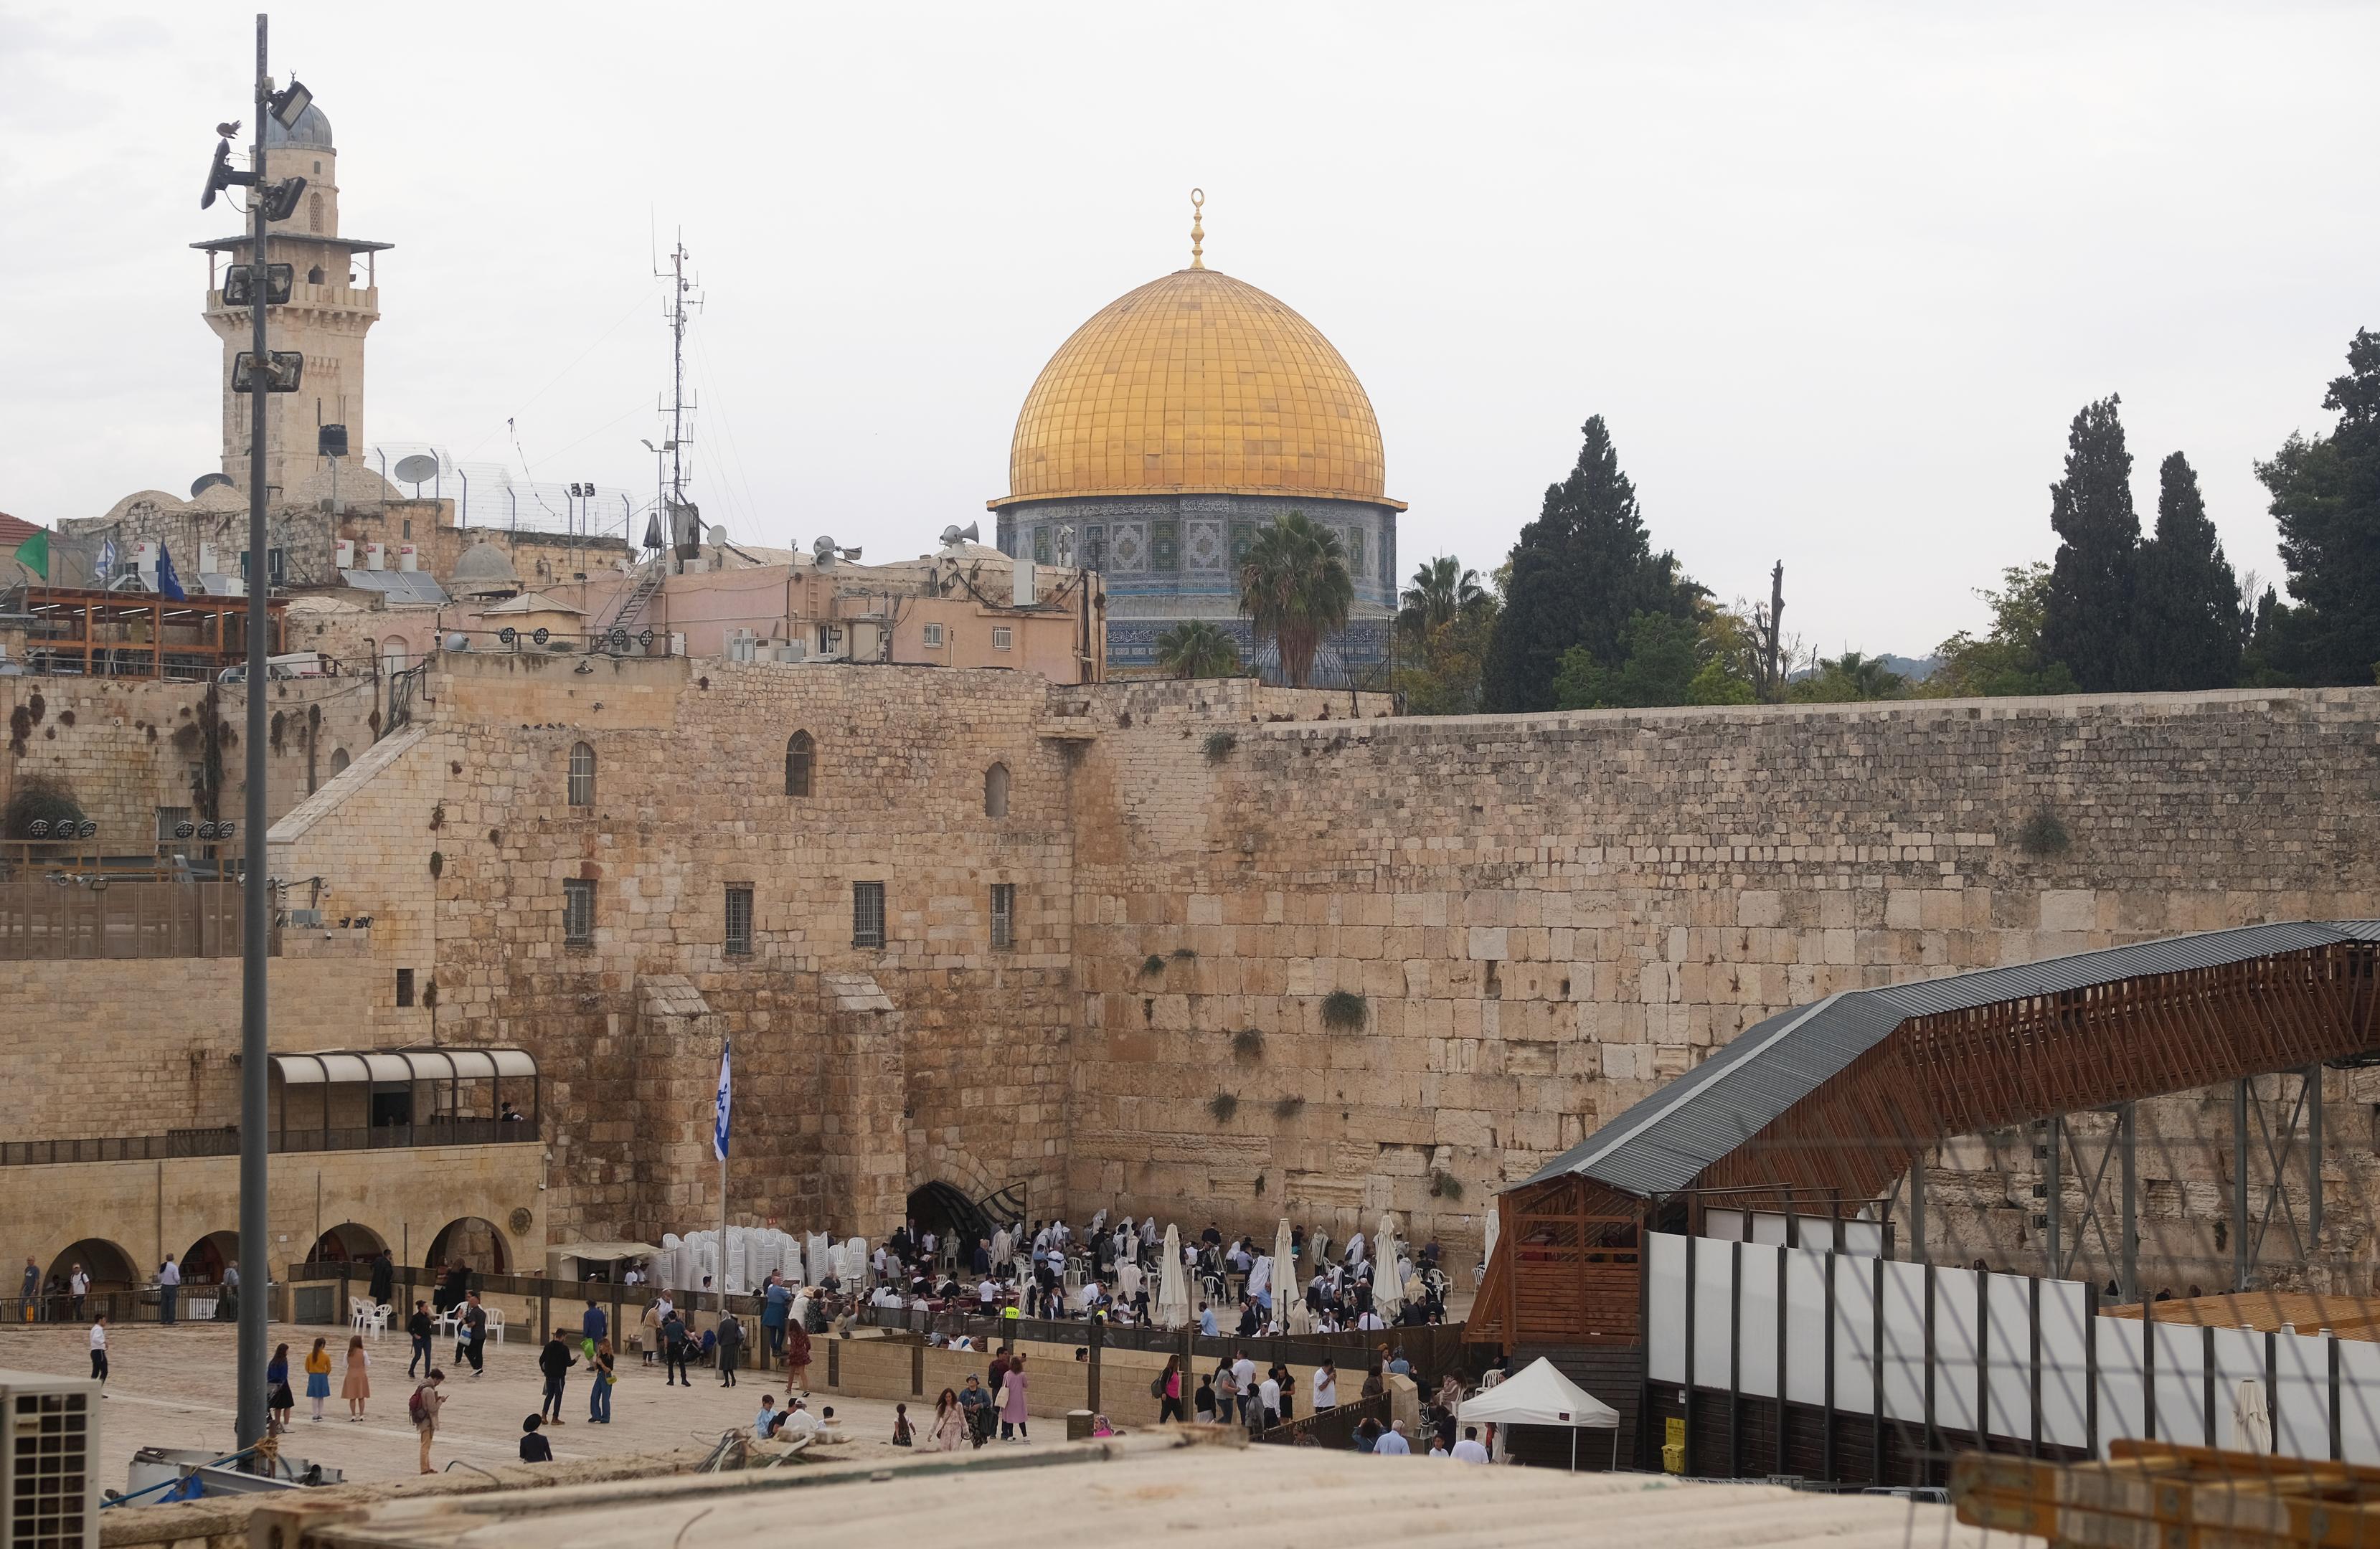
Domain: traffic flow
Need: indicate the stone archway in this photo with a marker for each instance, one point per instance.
(204, 1261)
(471, 1240)
(945, 1210)
(348, 1242)
(109, 1266)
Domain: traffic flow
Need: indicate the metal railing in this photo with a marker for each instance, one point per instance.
(225, 1142)
(108, 917)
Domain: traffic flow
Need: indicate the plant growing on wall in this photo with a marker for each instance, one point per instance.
(437, 862)
(1344, 1011)
(1288, 1108)
(1220, 745)
(2043, 834)
(38, 798)
(1222, 1106)
(1444, 1185)
(1152, 965)
(1248, 1042)
(1184, 954)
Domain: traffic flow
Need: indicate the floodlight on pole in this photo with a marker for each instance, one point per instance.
(281, 199)
(289, 103)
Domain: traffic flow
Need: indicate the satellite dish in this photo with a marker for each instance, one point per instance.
(207, 481)
(954, 535)
(717, 538)
(417, 469)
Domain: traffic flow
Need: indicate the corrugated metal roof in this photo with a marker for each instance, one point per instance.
(1665, 1142)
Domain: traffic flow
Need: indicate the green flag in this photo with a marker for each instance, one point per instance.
(34, 553)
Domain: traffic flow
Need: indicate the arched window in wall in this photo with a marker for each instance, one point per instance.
(314, 213)
(338, 761)
(801, 759)
(995, 790)
(582, 775)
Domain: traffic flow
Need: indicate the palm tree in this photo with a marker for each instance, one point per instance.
(1866, 677)
(1440, 590)
(1294, 588)
(1195, 649)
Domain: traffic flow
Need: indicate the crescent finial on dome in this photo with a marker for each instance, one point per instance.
(1197, 231)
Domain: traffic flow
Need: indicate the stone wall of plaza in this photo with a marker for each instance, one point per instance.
(1548, 916)
(129, 747)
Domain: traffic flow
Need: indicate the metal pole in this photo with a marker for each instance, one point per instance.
(2054, 1192)
(2240, 1184)
(254, 1274)
(2314, 1159)
(2127, 1252)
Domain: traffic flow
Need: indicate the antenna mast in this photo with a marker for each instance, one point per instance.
(684, 300)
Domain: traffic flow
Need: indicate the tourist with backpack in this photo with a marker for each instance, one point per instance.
(422, 1410)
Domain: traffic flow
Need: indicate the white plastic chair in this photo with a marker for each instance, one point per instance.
(358, 1314)
(496, 1324)
(376, 1321)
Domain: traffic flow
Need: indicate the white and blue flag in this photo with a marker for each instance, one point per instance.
(726, 1101)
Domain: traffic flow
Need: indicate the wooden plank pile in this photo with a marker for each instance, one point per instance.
(2157, 1495)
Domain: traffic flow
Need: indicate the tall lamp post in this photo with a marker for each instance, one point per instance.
(261, 373)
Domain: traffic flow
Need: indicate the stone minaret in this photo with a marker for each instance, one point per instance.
(335, 300)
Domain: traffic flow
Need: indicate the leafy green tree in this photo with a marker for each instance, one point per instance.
(1850, 676)
(2008, 660)
(2326, 499)
(1717, 684)
(1295, 589)
(2090, 623)
(1581, 573)
(1660, 668)
(1442, 590)
(1199, 649)
(2189, 599)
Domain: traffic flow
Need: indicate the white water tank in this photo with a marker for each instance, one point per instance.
(407, 557)
(375, 556)
(344, 553)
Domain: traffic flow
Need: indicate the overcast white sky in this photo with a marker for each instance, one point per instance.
(1837, 276)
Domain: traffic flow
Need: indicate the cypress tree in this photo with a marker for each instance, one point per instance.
(2189, 599)
(1579, 573)
(2089, 623)
(2326, 499)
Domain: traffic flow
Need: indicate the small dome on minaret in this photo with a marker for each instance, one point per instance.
(311, 128)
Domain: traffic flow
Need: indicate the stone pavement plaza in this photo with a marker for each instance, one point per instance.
(173, 1387)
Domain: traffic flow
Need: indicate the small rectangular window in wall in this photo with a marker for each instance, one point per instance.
(1164, 545)
(867, 914)
(405, 987)
(739, 921)
(1095, 548)
(577, 912)
(1003, 638)
(933, 637)
(1356, 552)
(1042, 545)
(1004, 916)
(1243, 538)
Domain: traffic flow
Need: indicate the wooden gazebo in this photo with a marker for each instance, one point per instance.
(139, 635)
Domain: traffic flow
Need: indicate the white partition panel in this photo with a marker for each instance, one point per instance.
(1902, 1354)
(2359, 1401)
(1714, 1268)
(2181, 1371)
(1806, 1328)
(1758, 1372)
(1957, 1349)
(2238, 1355)
(2301, 1398)
(2065, 1374)
(1665, 1308)
(1856, 1346)
(2011, 1367)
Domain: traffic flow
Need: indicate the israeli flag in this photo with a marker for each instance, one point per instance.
(726, 1101)
(104, 570)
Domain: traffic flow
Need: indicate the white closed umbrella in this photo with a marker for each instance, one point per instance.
(1001, 1247)
(1488, 1243)
(1286, 1299)
(1172, 1310)
(1387, 1285)
(2251, 1422)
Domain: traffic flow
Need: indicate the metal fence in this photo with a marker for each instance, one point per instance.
(225, 1142)
(107, 917)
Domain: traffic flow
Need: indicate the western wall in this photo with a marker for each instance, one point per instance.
(1544, 916)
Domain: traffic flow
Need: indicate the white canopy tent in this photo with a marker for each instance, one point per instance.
(1539, 1395)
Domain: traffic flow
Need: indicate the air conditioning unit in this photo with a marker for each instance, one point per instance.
(306, 919)
(1021, 592)
(743, 647)
(792, 651)
(49, 1460)
(375, 556)
(344, 553)
(407, 557)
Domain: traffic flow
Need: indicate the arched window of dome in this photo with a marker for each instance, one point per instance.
(801, 764)
(338, 761)
(314, 213)
(995, 790)
(314, 275)
(582, 775)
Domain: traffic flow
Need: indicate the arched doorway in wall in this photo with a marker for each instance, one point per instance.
(346, 1243)
(469, 1240)
(204, 1261)
(394, 655)
(944, 1210)
(110, 1267)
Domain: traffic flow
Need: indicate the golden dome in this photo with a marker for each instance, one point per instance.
(1197, 383)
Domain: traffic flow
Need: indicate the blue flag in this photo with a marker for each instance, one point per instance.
(103, 569)
(726, 1100)
(168, 584)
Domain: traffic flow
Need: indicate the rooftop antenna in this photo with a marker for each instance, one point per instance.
(684, 299)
